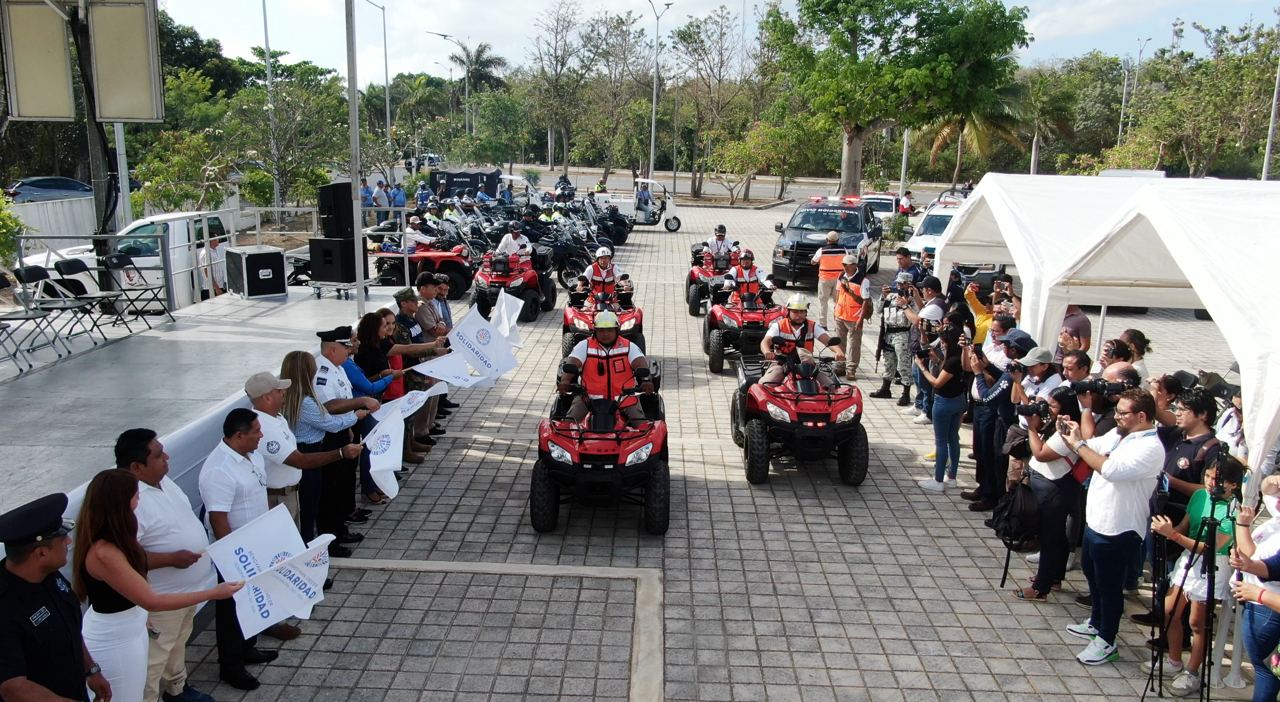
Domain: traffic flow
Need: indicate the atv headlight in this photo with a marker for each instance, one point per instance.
(640, 455)
(777, 412)
(515, 283)
(728, 322)
(628, 325)
(558, 454)
(848, 414)
(581, 324)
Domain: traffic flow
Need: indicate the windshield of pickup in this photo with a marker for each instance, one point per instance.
(826, 219)
(934, 225)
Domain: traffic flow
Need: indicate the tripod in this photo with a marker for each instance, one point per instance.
(1155, 678)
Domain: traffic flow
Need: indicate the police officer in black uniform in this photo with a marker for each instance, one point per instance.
(41, 652)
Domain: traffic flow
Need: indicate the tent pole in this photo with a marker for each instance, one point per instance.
(1102, 325)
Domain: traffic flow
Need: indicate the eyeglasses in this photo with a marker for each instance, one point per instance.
(1177, 408)
(1122, 413)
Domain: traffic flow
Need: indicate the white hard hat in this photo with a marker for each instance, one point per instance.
(603, 251)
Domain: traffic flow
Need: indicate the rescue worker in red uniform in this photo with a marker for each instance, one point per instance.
(796, 333)
(746, 278)
(608, 364)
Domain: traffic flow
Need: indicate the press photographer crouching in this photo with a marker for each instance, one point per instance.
(1189, 580)
(1056, 487)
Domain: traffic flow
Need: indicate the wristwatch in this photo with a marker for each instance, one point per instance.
(93, 670)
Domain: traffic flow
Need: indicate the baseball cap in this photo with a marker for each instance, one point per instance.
(832, 237)
(1018, 339)
(1037, 355)
(408, 294)
(262, 383)
(849, 260)
(931, 283)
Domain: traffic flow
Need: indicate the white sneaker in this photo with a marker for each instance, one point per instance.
(1083, 630)
(951, 483)
(1033, 558)
(921, 418)
(1073, 561)
(931, 485)
(909, 411)
(1170, 666)
(1188, 683)
(1099, 652)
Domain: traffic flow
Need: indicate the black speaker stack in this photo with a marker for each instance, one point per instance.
(333, 261)
(334, 203)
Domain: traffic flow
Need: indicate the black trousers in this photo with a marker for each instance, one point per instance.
(309, 490)
(337, 488)
(1057, 499)
(993, 464)
(232, 644)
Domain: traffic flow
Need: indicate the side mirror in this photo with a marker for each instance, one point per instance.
(778, 227)
(909, 230)
(642, 374)
(625, 276)
(570, 368)
(834, 341)
(735, 242)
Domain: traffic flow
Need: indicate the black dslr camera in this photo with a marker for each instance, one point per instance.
(1015, 367)
(1098, 386)
(1038, 408)
(923, 354)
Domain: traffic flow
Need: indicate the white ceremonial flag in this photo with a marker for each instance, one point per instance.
(451, 368)
(505, 313)
(482, 346)
(410, 403)
(386, 444)
(282, 575)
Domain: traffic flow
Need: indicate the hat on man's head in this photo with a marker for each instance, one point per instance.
(833, 237)
(262, 383)
(720, 229)
(931, 283)
(849, 260)
(35, 522)
(407, 295)
(415, 219)
(1018, 339)
(341, 335)
(904, 277)
(1036, 355)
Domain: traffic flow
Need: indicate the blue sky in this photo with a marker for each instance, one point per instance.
(313, 29)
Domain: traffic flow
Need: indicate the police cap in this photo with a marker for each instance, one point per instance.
(35, 522)
(341, 335)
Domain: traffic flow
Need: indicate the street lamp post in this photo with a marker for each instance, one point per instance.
(450, 69)
(653, 111)
(1124, 98)
(466, 82)
(271, 112)
(386, 70)
(1142, 44)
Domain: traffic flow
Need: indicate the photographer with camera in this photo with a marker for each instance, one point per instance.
(948, 408)
(1099, 397)
(1190, 576)
(1113, 351)
(1057, 491)
(1124, 463)
(895, 329)
(993, 415)
(927, 298)
(1258, 591)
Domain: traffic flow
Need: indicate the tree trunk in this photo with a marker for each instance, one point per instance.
(955, 175)
(1035, 152)
(564, 147)
(551, 148)
(782, 186)
(851, 162)
(746, 189)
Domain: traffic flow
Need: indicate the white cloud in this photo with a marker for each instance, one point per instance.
(1061, 20)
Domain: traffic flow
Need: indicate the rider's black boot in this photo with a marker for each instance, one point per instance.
(883, 393)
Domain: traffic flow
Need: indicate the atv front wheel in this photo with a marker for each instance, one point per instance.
(715, 351)
(657, 500)
(529, 311)
(548, 286)
(567, 342)
(735, 419)
(852, 457)
(544, 500)
(706, 335)
(695, 300)
(755, 453)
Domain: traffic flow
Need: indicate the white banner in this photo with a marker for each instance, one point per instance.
(451, 368)
(386, 444)
(505, 313)
(283, 577)
(404, 407)
(484, 349)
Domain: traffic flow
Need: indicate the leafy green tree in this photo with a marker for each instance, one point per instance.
(864, 65)
(187, 170)
(481, 66)
(502, 126)
(979, 127)
(182, 48)
(11, 227)
(1048, 109)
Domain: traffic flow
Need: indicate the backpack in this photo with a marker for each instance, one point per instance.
(1016, 520)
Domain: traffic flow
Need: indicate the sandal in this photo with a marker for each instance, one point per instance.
(1056, 587)
(1030, 594)
(376, 498)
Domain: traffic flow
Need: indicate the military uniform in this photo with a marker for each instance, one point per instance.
(897, 336)
(40, 622)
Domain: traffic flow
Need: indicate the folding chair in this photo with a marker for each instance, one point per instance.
(36, 323)
(71, 317)
(68, 268)
(10, 348)
(138, 297)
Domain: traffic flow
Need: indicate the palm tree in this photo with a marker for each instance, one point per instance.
(1049, 111)
(480, 66)
(979, 127)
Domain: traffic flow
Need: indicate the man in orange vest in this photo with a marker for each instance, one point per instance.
(608, 364)
(828, 259)
(851, 305)
(795, 333)
(745, 278)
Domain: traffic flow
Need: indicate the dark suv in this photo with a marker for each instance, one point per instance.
(854, 219)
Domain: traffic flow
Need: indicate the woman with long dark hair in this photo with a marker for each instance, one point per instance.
(1057, 491)
(109, 570)
(949, 404)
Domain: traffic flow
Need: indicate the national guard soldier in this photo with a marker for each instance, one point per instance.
(895, 331)
(41, 652)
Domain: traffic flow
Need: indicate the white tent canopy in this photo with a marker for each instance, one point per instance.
(1193, 245)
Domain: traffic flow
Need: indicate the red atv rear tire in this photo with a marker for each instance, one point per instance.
(715, 351)
(529, 312)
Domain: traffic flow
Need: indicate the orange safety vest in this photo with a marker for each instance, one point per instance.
(792, 337)
(849, 308)
(831, 262)
(746, 280)
(602, 280)
(607, 371)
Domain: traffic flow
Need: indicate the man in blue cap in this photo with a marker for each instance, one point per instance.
(42, 655)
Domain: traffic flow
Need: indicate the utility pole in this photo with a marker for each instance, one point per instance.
(902, 177)
(675, 140)
(124, 210)
(271, 112)
(386, 71)
(1142, 44)
(466, 80)
(353, 128)
(1124, 97)
(653, 111)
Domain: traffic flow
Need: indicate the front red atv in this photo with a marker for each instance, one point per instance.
(798, 416)
(737, 325)
(524, 277)
(602, 459)
(706, 274)
(580, 319)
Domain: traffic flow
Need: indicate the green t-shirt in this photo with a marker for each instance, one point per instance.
(1198, 508)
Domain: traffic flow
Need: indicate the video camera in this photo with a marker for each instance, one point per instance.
(1212, 383)
(1038, 408)
(1099, 386)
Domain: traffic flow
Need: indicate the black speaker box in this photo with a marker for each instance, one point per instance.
(333, 261)
(256, 271)
(334, 204)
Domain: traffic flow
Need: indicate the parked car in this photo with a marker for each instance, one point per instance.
(885, 205)
(928, 234)
(806, 232)
(43, 188)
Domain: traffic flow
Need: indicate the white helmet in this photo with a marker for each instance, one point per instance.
(603, 251)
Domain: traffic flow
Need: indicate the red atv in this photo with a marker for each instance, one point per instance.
(737, 325)
(798, 417)
(603, 459)
(447, 255)
(527, 278)
(706, 274)
(580, 319)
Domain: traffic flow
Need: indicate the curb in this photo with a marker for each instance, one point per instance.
(710, 205)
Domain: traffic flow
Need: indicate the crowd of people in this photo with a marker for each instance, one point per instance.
(139, 561)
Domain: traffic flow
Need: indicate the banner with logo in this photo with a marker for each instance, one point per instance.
(505, 313)
(385, 444)
(451, 368)
(283, 576)
(404, 407)
(484, 349)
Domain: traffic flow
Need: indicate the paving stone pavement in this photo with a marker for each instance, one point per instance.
(801, 588)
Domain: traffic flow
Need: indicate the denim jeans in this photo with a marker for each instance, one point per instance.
(1261, 635)
(1105, 561)
(947, 413)
(924, 392)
